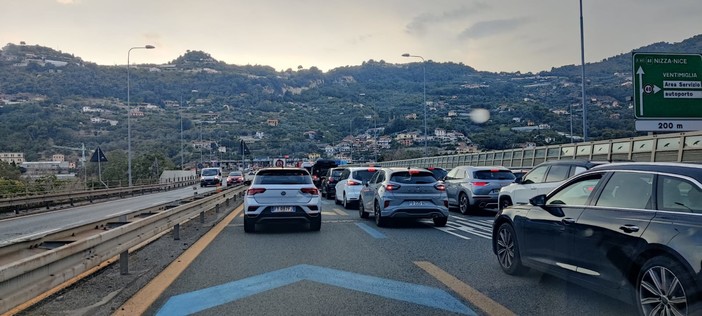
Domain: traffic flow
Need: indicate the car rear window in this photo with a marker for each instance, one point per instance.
(438, 173)
(363, 175)
(282, 177)
(337, 173)
(494, 175)
(422, 177)
(235, 173)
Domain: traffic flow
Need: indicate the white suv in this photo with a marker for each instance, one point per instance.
(541, 179)
(348, 189)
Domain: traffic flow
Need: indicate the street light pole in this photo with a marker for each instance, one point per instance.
(582, 61)
(129, 114)
(424, 67)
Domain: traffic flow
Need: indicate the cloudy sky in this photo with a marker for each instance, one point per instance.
(497, 35)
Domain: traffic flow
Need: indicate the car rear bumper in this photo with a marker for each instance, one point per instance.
(485, 201)
(299, 216)
(415, 213)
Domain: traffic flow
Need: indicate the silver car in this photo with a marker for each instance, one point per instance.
(282, 195)
(470, 188)
(404, 193)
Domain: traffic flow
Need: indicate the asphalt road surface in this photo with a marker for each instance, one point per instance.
(352, 267)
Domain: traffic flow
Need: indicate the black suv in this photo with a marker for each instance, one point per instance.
(328, 187)
(320, 168)
(630, 230)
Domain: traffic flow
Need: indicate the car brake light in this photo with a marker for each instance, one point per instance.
(351, 182)
(414, 172)
(255, 191)
(479, 183)
(440, 187)
(315, 177)
(392, 187)
(371, 169)
(313, 191)
(494, 170)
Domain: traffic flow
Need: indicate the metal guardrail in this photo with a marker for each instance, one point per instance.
(47, 200)
(678, 147)
(29, 277)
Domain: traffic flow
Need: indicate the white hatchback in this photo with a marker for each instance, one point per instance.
(348, 189)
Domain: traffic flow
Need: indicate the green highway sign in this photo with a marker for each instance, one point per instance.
(667, 86)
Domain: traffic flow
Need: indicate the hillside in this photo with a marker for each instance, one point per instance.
(50, 98)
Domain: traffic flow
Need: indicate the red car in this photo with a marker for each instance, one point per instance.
(235, 178)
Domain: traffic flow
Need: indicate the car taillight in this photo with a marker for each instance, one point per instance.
(255, 191)
(440, 187)
(479, 183)
(312, 191)
(351, 182)
(391, 187)
(315, 178)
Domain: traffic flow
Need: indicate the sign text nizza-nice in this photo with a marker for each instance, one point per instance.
(667, 91)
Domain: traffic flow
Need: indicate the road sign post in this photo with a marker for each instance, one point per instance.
(667, 91)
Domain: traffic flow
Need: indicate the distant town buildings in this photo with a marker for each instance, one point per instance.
(16, 158)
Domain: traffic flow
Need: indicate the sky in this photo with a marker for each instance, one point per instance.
(496, 35)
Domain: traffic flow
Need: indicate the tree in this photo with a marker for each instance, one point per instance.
(9, 171)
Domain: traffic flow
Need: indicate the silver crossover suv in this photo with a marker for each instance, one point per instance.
(404, 193)
(476, 187)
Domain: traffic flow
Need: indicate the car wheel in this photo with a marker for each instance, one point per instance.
(440, 221)
(336, 201)
(249, 226)
(316, 223)
(508, 251)
(379, 220)
(505, 202)
(347, 204)
(361, 210)
(663, 287)
(463, 204)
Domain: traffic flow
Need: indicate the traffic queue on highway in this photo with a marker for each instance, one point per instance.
(627, 229)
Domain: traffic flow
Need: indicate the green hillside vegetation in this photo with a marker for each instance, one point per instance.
(44, 92)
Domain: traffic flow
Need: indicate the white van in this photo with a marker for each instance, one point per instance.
(210, 176)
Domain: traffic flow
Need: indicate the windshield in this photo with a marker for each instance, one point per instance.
(210, 172)
(235, 174)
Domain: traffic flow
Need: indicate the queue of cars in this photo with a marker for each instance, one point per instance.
(629, 230)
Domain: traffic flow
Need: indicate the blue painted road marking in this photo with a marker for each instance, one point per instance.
(193, 302)
(373, 232)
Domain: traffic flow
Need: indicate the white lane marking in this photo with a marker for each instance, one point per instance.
(328, 213)
(458, 226)
(447, 230)
(342, 213)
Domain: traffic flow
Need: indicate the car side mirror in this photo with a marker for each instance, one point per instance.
(539, 200)
(365, 184)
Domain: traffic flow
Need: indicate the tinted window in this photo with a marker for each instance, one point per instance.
(413, 178)
(363, 175)
(678, 195)
(558, 173)
(438, 173)
(235, 173)
(576, 193)
(536, 175)
(282, 177)
(627, 190)
(336, 173)
(494, 175)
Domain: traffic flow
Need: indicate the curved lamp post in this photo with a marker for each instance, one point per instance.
(129, 114)
(425, 97)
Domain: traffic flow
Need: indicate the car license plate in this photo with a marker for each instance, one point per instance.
(417, 203)
(283, 209)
